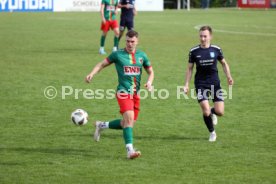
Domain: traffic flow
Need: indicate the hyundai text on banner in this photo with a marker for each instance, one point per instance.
(26, 5)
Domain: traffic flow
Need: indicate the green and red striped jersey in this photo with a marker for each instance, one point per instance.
(109, 9)
(129, 69)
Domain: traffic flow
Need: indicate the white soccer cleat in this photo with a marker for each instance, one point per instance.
(214, 119)
(213, 136)
(102, 52)
(98, 129)
(114, 49)
(133, 154)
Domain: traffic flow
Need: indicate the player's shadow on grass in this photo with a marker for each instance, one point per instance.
(159, 137)
(118, 135)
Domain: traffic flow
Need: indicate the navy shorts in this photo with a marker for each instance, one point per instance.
(206, 92)
(126, 23)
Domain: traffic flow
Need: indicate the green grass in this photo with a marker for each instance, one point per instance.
(39, 144)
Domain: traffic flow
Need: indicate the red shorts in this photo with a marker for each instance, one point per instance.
(109, 24)
(128, 102)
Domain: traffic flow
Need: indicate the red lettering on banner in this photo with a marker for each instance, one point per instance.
(254, 3)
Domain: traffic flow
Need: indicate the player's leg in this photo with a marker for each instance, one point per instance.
(206, 111)
(115, 28)
(128, 120)
(203, 93)
(102, 43)
(104, 28)
(122, 28)
(218, 109)
(130, 25)
(116, 39)
(114, 124)
(101, 125)
(205, 107)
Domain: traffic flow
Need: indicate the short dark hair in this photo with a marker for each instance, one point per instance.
(132, 34)
(204, 28)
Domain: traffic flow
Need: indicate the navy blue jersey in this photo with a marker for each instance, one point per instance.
(206, 60)
(127, 13)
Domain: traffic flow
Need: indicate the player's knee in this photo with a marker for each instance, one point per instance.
(129, 121)
(206, 112)
(220, 112)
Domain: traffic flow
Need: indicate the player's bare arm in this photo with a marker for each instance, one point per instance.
(134, 11)
(116, 9)
(102, 13)
(189, 73)
(150, 72)
(96, 70)
(227, 72)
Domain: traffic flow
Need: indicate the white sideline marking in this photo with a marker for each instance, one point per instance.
(239, 32)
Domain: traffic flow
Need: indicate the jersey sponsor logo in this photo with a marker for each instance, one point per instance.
(110, 8)
(132, 70)
(212, 54)
(206, 62)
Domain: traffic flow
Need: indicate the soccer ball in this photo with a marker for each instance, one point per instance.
(79, 117)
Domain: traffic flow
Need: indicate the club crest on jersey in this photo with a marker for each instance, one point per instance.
(132, 70)
(212, 54)
(141, 61)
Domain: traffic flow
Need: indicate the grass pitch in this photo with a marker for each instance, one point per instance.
(39, 144)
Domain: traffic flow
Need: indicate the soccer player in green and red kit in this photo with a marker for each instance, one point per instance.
(129, 63)
(108, 15)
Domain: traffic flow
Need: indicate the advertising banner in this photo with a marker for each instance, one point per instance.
(26, 5)
(149, 5)
(70, 5)
(77, 5)
(254, 3)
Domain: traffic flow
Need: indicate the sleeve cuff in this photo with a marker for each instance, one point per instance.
(147, 67)
(108, 60)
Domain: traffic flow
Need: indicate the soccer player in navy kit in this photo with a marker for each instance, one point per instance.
(207, 82)
(127, 15)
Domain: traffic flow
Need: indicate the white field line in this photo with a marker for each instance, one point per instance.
(239, 32)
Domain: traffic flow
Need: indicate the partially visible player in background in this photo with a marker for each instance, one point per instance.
(129, 63)
(108, 15)
(127, 15)
(206, 57)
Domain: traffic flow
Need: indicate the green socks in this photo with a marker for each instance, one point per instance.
(102, 40)
(115, 124)
(127, 132)
(116, 41)
(128, 135)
